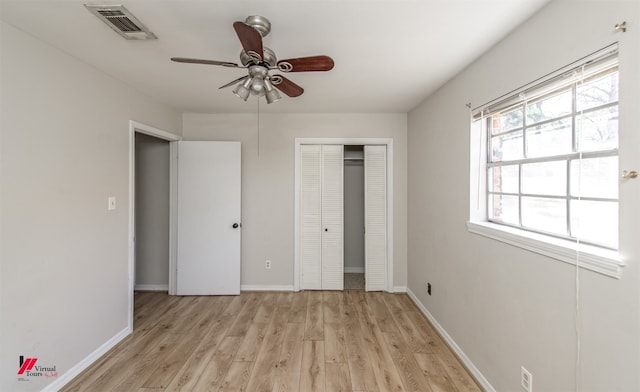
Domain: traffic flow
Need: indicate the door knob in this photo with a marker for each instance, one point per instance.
(326, 229)
(235, 225)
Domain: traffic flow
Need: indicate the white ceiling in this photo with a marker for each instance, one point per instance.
(389, 54)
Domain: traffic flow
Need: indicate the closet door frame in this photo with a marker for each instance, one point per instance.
(388, 142)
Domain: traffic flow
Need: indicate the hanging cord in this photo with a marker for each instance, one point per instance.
(577, 277)
(258, 125)
(578, 326)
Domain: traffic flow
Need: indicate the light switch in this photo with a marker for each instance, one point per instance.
(111, 203)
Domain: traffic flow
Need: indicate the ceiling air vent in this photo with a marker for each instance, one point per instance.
(121, 21)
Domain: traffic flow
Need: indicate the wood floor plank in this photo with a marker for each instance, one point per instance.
(412, 334)
(192, 334)
(136, 374)
(335, 349)
(314, 320)
(384, 369)
(338, 378)
(278, 342)
(362, 376)
(331, 307)
(298, 312)
(216, 369)
(248, 350)
(237, 377)
(285, 300)
(435, 374)
(458, 374)
(431, 337)
(246, 315)
(263, 376)
(137, 369)
(312, 370)
(266, 309)
(290, 359)
(410, 373)
(378, 309)
(190, 372)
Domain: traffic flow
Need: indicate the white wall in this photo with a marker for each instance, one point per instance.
(504, 306)
(64, 257)
(152, 213)
(268, 180)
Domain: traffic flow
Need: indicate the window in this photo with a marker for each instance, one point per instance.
(547, 174)
(553, 162)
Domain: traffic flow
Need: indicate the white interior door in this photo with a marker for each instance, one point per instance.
(375, 201)
(208, 229)
(311, 216)
(321, 217)
(332, 217)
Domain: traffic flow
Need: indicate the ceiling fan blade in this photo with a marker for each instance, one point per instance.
(207, 62)
(306, 64)
(250, 39)
(286, 86)
(233, 82)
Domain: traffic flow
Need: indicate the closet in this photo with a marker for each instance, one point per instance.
(321, 225)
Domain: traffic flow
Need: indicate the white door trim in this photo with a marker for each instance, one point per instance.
(134, 127)
(344, 141)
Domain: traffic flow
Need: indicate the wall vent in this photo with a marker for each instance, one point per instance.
(121, 21)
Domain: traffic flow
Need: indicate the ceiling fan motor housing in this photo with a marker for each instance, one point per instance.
(259, 23)
(268, 57)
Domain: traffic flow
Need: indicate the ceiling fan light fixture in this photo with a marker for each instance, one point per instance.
(257, 86)
(272, 95)
(242, 90)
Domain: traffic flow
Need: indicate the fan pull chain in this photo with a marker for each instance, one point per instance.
(258, 100)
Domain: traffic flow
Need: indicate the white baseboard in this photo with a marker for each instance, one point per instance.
(249, 287)
(399, 289)
(354, 270)
(85, 363)
(152, 287)
(484, 383)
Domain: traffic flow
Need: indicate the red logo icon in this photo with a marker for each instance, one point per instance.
(26, 365)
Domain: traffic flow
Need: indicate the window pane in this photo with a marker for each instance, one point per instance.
(595, 177)
(599, 91)
(545, 178)
(549, 139)
(504, 208)
(549, 107)
(502, 122)
(598, 130)
(504, 179)
(549, 215)
(595, 221)
(506, 147)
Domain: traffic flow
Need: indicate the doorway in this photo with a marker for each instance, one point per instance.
(136, 128)
(152, 186)
(354, 225)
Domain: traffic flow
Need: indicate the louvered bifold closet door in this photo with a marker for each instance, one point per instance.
(310, 216)
(375, 189)
(332, 217)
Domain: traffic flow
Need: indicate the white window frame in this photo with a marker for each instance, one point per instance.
(595, 258)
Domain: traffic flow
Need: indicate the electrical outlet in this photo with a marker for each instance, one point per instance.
(428, 288)
(267, 264)
(111, 203)
(526, 379)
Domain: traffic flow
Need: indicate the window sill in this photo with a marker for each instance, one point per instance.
(603, 261)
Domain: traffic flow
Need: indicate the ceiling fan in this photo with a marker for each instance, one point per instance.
(259, 60)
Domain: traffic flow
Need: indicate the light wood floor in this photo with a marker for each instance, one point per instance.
(267, 341)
